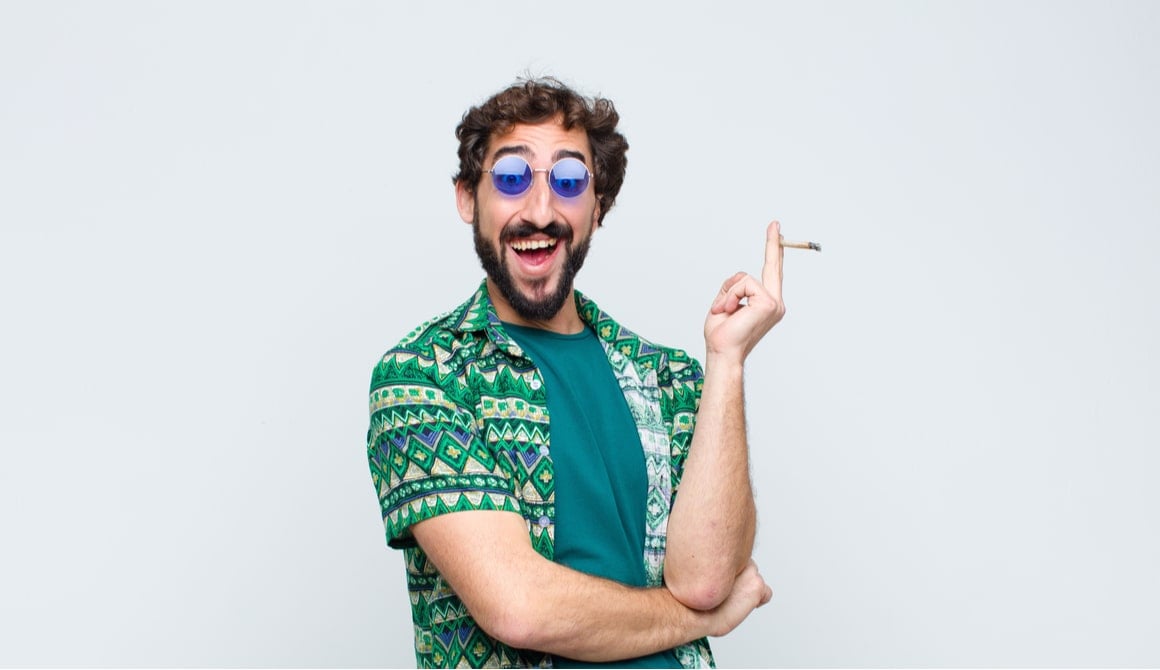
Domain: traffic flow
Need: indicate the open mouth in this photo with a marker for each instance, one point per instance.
(534, 252)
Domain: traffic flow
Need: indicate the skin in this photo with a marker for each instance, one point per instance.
(711, 584)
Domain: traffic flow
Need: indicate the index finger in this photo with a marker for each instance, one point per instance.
(771, 271)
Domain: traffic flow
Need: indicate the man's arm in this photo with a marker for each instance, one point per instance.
(713, 522)
(528, 602)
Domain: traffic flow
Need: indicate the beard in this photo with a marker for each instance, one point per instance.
(531, 307)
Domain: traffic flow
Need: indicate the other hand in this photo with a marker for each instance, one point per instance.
(749, 592)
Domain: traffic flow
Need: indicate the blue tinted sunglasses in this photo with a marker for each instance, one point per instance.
(512, 175)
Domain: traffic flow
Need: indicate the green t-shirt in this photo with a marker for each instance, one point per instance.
(601, 483)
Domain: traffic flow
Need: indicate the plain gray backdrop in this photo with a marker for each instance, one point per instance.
(216, 216)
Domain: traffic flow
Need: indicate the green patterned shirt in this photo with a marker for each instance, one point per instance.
(459, 421)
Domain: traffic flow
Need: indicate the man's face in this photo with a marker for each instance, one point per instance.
(532, 245)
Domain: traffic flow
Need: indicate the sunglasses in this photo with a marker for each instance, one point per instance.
(512, 175)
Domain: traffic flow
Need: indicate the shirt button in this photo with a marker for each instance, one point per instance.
(544, 450)
(543, 522)
(536, 384)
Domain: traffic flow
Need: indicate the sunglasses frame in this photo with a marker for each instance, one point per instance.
(547, 173)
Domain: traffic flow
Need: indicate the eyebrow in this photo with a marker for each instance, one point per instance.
(525, 151)
(569, 153)
(518, 149)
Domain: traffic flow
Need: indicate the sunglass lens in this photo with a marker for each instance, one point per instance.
(569, 177)
(511, 175)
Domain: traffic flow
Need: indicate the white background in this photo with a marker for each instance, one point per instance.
(215, 216)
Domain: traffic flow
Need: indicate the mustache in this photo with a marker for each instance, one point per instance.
(553, 230)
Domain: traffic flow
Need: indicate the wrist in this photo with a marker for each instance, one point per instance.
(724, 364)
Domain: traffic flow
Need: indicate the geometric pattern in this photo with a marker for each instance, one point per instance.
(459, 421)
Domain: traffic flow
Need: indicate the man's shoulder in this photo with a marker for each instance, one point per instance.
(430, 335)
(425, 350)
(672, 364)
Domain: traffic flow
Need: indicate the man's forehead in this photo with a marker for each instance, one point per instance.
(549, 138)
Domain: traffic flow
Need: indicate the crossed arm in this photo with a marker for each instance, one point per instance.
(711, 584)
(528, 602)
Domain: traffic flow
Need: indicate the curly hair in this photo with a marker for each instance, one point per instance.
(535, 101)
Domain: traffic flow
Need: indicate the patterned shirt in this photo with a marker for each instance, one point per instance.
(459, 421)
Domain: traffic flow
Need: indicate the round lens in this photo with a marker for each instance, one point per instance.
(511, 175)
(569, 177)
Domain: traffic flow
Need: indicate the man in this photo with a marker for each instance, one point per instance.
(528, 450)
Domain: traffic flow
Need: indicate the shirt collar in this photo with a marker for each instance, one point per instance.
(478, 315)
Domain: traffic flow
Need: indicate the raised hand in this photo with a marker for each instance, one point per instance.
(745, 308)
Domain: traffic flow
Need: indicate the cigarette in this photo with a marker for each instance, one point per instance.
(801, 245)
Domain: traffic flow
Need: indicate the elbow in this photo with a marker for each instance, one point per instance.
(701, 593)
(512, 629)
(516, 624)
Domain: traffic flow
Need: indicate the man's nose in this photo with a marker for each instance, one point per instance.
(538, 209)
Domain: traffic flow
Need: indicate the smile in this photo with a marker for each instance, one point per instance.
(528, 245)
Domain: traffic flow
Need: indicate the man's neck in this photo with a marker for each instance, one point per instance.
(567, 321)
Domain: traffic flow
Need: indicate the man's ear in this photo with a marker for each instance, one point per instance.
(465, 202)
(596, 214)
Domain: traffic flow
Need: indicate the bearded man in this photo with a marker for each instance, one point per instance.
(566, 493)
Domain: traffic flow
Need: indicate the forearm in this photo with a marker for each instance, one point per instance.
(713, 521)
(526, 601)
(591, 619)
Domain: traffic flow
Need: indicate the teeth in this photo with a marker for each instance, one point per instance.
(526, 245)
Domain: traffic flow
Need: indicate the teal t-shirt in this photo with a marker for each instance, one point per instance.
(599, 467)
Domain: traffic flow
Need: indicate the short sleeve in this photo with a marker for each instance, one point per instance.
(425, 453)
(681, 413)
